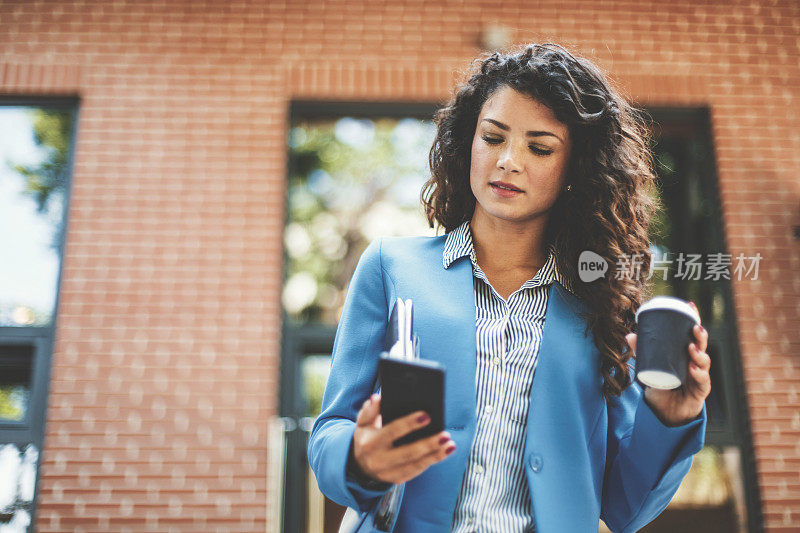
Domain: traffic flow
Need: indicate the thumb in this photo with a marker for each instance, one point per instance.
(630, 338)
(695, 308)
(369, 411)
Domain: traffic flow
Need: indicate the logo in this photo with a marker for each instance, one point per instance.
(591, 266)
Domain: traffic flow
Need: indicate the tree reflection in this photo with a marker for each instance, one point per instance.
(47, 178)
(351, 181)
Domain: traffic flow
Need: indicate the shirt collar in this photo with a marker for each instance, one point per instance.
(459, 244)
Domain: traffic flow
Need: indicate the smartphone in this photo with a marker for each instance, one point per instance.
(409, 385)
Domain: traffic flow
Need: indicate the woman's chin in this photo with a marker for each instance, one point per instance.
(504, 212)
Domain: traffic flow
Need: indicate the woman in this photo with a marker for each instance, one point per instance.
(536, 159)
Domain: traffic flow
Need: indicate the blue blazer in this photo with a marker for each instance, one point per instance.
(585, 458)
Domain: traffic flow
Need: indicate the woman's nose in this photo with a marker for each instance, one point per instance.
(508, 160)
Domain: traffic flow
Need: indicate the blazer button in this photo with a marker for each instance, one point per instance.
(536, 463)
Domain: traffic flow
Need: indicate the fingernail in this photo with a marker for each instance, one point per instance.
(450, 449)
(423, 418)
(443, 440)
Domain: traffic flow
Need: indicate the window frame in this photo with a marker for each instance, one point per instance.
(42, 338)
(695, 123)
(22, 431)
(300, 340)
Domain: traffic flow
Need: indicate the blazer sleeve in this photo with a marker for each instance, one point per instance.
(646, 460)
(354, 369)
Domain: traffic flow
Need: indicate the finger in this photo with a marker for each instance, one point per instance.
(412, 470)
(699, 357)
(701, 335)
(630, 338)
(369, 410)
(403, 426)
(697, 310)
(411, 453)
(699, 381)
(376, 404)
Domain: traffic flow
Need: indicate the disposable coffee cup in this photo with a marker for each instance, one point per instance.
(662, 343)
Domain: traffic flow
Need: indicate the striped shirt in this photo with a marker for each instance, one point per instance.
(494, 493)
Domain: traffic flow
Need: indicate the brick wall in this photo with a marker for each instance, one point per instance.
(165, 367)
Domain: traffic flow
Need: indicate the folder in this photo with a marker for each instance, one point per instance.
(401, 341)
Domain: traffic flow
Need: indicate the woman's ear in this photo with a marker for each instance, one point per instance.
(630, 339)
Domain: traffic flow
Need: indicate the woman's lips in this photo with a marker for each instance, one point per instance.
(504, 190)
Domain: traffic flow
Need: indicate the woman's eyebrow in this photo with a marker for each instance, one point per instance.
(528, 133)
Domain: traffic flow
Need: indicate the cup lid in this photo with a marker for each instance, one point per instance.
(671, 303)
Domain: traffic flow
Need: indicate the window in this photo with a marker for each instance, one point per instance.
(355, 174)
(36, 146)
(16, 371)
(720, 492)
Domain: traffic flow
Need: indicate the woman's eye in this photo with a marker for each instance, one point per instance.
(536, 150)
(540, 151)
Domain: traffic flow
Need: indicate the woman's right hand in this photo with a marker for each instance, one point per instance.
(378, 459)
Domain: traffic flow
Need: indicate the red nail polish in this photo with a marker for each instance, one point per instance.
(443, 440)
(450, 449)
(422, 419)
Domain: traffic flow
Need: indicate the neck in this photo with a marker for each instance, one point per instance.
(504, 245)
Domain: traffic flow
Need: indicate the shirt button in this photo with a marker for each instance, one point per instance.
(496, 361)
(536, 463)
(478, 469)
(488, 409)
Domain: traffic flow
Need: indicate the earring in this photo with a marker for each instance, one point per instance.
(569, 188)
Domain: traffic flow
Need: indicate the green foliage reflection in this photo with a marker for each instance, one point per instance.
(351, 181)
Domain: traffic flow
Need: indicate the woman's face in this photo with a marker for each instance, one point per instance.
(520, 154)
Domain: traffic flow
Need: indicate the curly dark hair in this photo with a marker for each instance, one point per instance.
(611, 201)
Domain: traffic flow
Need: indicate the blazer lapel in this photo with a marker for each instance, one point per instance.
(568, 370)
(447, 334)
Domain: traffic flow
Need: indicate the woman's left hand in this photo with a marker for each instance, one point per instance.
(676, 407)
